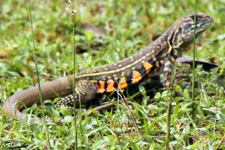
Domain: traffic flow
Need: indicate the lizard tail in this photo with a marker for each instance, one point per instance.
(14, 104)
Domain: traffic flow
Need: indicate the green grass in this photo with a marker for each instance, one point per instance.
(128, 27)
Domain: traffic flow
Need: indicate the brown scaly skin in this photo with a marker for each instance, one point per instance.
(156, 58)
(28, 97)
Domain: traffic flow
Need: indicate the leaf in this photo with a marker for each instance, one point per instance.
(68, 119)
(94, 30)
(23, 138)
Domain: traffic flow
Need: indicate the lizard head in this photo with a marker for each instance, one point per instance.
(181, 33)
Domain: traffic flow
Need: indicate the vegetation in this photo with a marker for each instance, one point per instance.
(118, 30)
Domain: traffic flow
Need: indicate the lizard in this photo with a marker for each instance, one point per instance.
(157, 58)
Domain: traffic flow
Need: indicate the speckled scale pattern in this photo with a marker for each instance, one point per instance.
(156, 58)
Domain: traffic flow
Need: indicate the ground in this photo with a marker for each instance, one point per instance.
(117, 29)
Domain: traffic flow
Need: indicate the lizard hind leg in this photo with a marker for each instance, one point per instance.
(85, 91)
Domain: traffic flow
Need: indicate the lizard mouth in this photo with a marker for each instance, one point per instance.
(202, 25)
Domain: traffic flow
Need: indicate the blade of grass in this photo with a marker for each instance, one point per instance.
(221, 142)
(37, 72)
(125, 101)
(169, 113)
(74, 69)
(193, 66)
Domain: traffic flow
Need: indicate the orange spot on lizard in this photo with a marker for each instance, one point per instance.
(110, 86)
(148, 67)
(136, 77)
(123, 83)
(101, 89)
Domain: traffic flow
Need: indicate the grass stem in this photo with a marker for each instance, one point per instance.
(38, 78)
(193, 69)
(74, 70)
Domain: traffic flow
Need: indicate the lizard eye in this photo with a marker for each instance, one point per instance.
(198, 19)
(193, 17)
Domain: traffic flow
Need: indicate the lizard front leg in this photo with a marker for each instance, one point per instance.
(168, 66)
(85, 90)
